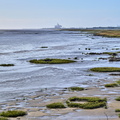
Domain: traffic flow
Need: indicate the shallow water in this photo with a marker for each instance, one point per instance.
(20, 46)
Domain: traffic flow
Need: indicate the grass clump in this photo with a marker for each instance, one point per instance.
(89, 102)
(51, 61)
(14, 113)
(88, 99)
(111, 85)
(56, 105)
(118, 82)
(6, 65)
(3, 118)
(117, 110)
(76, 88)
(108, 33)
(105, 69)
(117, 99)
(89, 105)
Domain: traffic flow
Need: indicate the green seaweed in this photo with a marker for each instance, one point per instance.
(14, 113)
(51, 61)
(3, 118)
(117, 110)
(117, 99)
(118, 82)
(89, 102)
(56, 105)
(89, 105)
(76, 88)
(6, 65)
(111, 85)
(105, 69)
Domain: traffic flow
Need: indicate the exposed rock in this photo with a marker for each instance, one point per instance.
(114, 59)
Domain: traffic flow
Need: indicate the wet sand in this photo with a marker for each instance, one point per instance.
(35, 105)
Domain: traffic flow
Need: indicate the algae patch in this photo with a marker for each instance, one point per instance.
(51, 61)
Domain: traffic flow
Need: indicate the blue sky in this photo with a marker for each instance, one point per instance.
(69, 13)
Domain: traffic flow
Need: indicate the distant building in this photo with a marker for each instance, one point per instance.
(58, 26)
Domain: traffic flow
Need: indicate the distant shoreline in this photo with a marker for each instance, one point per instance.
(99, 32)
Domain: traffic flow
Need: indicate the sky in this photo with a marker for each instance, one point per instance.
(35, 14)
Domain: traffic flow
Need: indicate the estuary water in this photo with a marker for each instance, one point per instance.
(19, 46)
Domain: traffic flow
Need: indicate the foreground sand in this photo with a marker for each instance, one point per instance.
(35, 105)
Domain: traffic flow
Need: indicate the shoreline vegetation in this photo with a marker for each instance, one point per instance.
(38, 106)
(74, 102)
(98, 32)
(89, 102)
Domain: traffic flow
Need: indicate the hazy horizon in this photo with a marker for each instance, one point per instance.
(36, 14)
